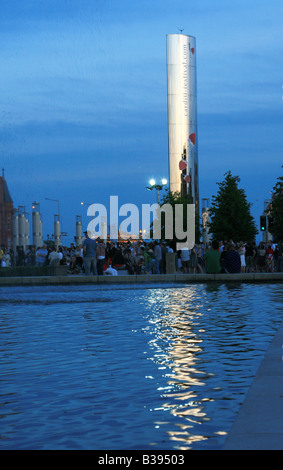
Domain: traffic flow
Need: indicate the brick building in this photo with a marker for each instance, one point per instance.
(6, 215)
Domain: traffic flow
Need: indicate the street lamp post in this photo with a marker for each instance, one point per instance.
(158, 187)
(55, 200)
(88, 204)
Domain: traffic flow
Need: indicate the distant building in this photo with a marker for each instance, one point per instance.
(6, 214)
(37, 238)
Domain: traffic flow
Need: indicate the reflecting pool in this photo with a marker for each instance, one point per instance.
(130, 367)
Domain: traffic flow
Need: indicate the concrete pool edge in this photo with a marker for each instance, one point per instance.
(258, 425)
(139, 279)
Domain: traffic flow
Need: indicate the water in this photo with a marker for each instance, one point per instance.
(112, 367)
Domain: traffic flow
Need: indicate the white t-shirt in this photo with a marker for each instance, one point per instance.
(53, 255)
(111, 271)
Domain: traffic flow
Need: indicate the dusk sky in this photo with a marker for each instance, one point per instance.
(83, 92)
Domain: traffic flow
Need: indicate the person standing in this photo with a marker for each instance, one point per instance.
(100, 255)
(250, 254)
(242, 253)
(194, 264)
(158, 257)
(269, 259)
(261, 257)
(148, 262)
(41, 255)
(54, 257)
(89, 255)
(212, 259)
(185, 258)
(232, 260)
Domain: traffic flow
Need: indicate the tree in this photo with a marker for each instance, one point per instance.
(230, 212)
(276, 211)
(172, 199)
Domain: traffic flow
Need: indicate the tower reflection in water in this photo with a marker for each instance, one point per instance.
(176, 324)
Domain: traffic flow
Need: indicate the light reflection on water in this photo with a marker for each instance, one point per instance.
(107, 367)
(177, 329)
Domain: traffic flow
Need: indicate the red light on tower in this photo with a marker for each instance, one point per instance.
(193, 138)
(182, 165)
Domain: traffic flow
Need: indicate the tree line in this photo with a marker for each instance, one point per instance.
(230, 212)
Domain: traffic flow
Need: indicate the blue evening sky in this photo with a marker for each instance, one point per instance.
(83, 95)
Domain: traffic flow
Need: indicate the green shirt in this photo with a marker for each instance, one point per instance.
(147, 258)
(212, 258)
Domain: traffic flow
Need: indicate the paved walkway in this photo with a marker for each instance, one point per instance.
(259, 424)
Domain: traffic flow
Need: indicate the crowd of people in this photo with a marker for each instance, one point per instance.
(149, 257)
(230, 257)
